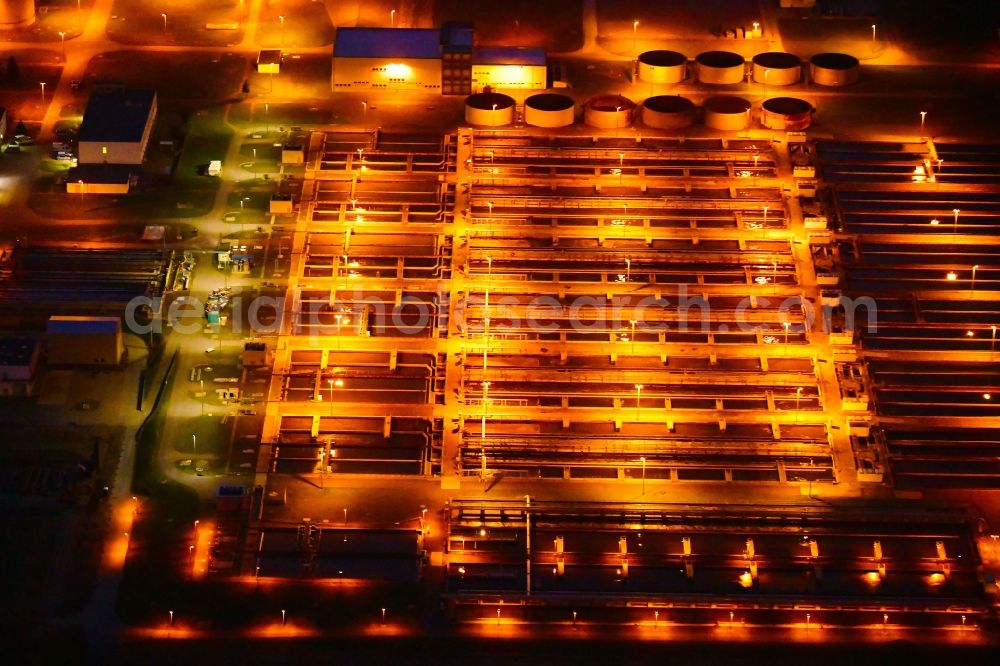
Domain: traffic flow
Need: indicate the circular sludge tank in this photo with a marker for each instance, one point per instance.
(776, 68)
(727, 112)
(549, 110)
(662, 67)
(720, 67)
(16, 13)
(786, 113)
(489, 109)
(833, 69)
(668, 112)
(608, 112)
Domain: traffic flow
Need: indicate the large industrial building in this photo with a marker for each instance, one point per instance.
(424, 59)
(116, 126)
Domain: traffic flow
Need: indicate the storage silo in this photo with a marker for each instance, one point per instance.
(489, 109)
(786, 113)
(16, 13)
(727, 112)
(608, 112)
(662, 67)
(668, 112)
(834, 69)
(776, 68)
(720, 67)
(549, 110)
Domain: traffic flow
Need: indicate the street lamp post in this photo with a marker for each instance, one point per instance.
(392, 18)
(330, 382)
(635, 34)
(972, 288)
(42, 84)
(638, 397)
(194, 443)
(632, 323)
(164, 24)
(254, 163)
(628, 271)
(643, 460)
(993, 339)
(873, 38)
(923, 117)
(62, 38)
(954, 226)
(281, 37)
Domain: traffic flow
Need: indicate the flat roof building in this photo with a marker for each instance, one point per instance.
(116, 126)
(429, 60)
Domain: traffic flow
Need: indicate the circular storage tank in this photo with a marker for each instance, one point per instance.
(549, 110)
(668, 112)
(608, 112)
(489, 109)
(16, 13)
(786, 113)
(833, 69)
(727, 112)
(782, 69)
(720, 67)
(662, 67)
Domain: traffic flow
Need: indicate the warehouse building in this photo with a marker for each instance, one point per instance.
(116, 126)
(429, 60)
(86, 341)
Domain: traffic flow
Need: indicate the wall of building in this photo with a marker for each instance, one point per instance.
(382, 74)
(520, 77)
(105, 349)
